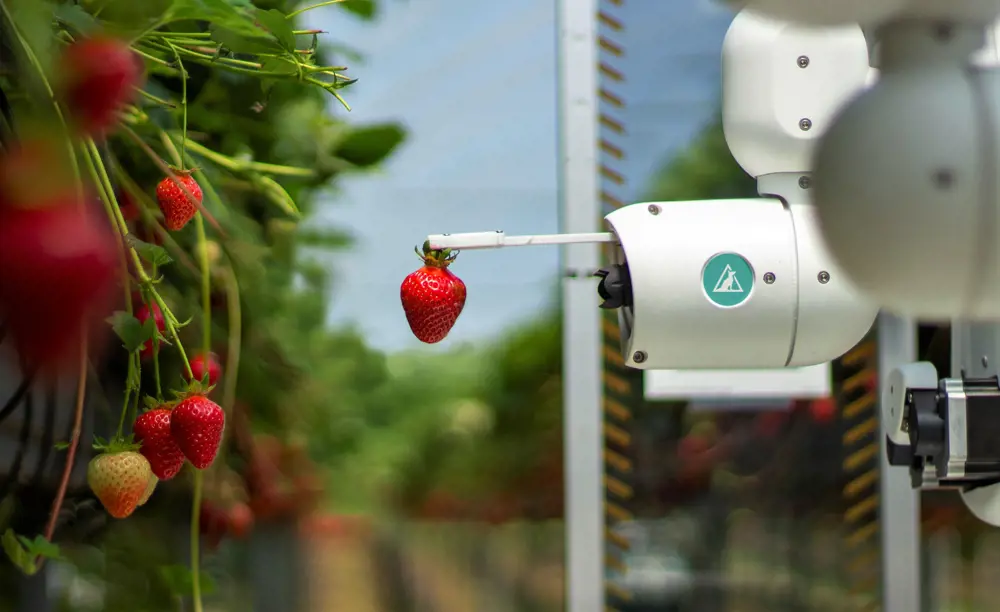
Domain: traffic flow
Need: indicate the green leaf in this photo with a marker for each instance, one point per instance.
(61, 445)
(132, 333)
(279, 65)
(150, 253)
(17, 554)
(178, 580)
(367, 146)
(40, 547)
(231, 15)
(364, 9)
(124, 16)
(279, 27)
(273, 191)
(76, 18)
(252, 43)
(324, 238)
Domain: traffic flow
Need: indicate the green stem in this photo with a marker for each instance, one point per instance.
(228, 62)
(106, 200)
(152, 58)
(314, 6)
(235, 337)
(180, 34)
(209, 34)
(184, 103)
(156, 366)
(97, 167)
(128, 396)
(195, 544)
(206, 286)
(242, 166)
(135, 406)
(233, 65)
(152, 98)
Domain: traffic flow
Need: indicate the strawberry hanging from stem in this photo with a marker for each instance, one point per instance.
(197, 424)
(152, 431)
(433, 297)
(172, 194)
(120, 478)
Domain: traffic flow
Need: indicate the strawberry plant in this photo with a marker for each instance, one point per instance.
(157, 158)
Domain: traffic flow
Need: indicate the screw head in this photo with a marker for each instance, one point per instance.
(769, 278)
(653, 209)
(638, 356)
(944, 178)
(823, 277)
(805, 182)
(805, 124)
(985, 361)
(803, 61)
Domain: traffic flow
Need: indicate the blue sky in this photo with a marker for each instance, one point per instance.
(474, 82)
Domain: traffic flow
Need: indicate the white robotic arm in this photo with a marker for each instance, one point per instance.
(902, 164)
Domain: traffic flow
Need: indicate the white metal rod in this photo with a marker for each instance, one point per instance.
(497, 240)
(899, 504)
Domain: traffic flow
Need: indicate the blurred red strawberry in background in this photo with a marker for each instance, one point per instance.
(100, 75)
(58, 258)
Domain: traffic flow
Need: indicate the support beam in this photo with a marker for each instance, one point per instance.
(900, 504)
(581, 213)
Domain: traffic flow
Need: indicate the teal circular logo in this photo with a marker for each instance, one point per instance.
(727, 279)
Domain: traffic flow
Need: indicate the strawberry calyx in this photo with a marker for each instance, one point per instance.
(194, 388)
(182, 172)
(118, 444)
(435, 258)
(151, 403)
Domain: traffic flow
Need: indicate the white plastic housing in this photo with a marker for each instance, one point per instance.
(873, 12)
(804, 317)
(768, 91)
(906, 180)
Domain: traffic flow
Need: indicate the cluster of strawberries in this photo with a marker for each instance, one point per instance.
(190, 429)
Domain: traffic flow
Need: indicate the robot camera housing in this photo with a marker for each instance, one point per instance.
(735, 284)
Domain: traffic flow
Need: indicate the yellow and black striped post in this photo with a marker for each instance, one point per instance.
(856, 375)
(622, 387)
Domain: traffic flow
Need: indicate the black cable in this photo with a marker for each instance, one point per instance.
(11, 481)
(19, 394)
(48, 433)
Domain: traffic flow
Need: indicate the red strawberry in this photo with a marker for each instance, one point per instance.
(202, 364)
(823, 410)
(152, 430)
(197, 424)
(58, 271)
(101, 74)
(143, 314)
(240, 520)
(432, 296)
(119, 480)
(130, 211)
(213, 523)
(177, 207)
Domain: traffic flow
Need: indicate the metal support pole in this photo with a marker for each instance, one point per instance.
(581, 212)
(900, 504)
